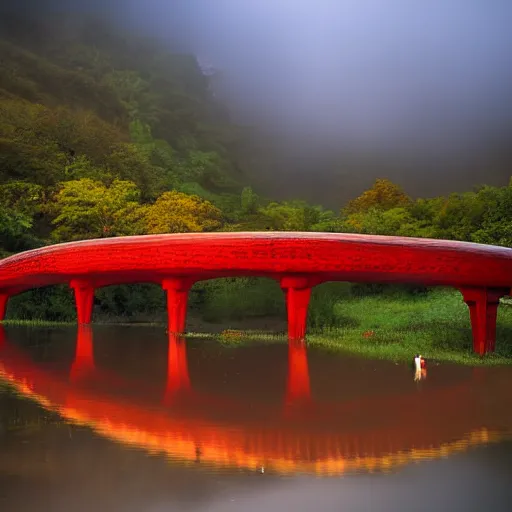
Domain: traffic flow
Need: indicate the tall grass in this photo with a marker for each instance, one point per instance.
(396, 327)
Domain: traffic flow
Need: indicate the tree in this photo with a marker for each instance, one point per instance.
(383, 195)
(27, 151)
(201, 166)
(13, 225)
(159, 154)
(38, 144)
(459, 216)
(394, 222)
(89, 209)
(496, 224)
(295, 216)
(175, 212)
(82, 167)
(135, 94)
(22, 197)
(249, 201)
(22, 205)
(130, 162)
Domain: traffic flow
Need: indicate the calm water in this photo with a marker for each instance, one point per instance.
(130, 419)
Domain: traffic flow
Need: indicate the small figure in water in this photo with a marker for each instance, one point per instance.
(419, 362)
(420, 368)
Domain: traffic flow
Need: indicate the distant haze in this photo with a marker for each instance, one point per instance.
(392, 84)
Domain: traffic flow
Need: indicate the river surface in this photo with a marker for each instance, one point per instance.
(131, 419)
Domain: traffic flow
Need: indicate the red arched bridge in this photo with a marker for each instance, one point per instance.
(299, 261)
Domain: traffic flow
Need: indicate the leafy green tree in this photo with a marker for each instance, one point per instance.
(295, 216)
(201, 166)
(27, 152)
(81, 131)
(16, 233)
(12, 226)
(22, 197)
(140, 134)
(393, 222)
(22, 206)
(38, 144)
(82, 167)
(166, 164)
(383, 195)
(229, 204)
(130, 163)
(134, 93)
(426, 210)
(324, 220)
(496, 224)
(249, 201)
(459, 216)
(175, 212)
(89, 209)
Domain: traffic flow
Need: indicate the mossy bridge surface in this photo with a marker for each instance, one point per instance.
(298, 261)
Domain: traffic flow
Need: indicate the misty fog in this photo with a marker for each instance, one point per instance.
(342, 92)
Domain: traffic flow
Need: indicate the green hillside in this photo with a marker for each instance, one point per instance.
(104, 133)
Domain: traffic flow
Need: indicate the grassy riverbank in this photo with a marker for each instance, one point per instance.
(390, 326)
(395, 328)
(436, 325)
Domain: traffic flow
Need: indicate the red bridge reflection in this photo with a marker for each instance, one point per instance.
(301, 435)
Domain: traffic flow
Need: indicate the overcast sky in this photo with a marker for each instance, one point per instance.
(362, 72)
(427, 81)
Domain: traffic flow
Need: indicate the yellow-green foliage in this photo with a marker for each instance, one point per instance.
(295, 216)
(384, 195)
(38, 143)
(89, 209)
(175, 212)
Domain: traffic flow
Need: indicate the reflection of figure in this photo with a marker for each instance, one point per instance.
(198, 454)
(420, 374)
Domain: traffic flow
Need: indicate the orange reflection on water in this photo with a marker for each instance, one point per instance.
(286, 444)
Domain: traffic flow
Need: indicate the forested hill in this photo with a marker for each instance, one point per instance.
(95, 79)
(83, 100)
(103, 133)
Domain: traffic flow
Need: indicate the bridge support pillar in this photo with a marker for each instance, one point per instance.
(483, 307)
(297, 292)
(177, 299)
(84, 300)
(4, 298)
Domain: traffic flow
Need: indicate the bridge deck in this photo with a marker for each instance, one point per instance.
(324, 256)
(298, 260)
